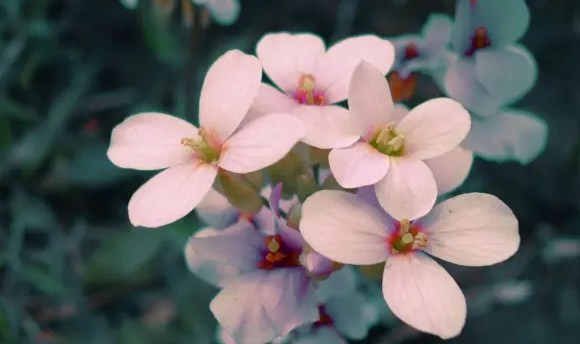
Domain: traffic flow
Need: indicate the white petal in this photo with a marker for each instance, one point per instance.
(335, 69)
(261, 143)
(263, 305)
(408, 191)
(327, 126)
(268, 101)
(344, 228)
(369, 98)
(230, 86)
(472, 229)
(171, 194)
(216, 211)
(358, 165)
(422, 294)
(451, 169)
(511, 135)
(220, 257)
(150, 141)
(286, 57)
(434, 128)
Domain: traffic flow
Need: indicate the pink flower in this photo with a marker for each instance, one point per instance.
(472, 229)
(192, 156)
(392, 148)
(311, 79)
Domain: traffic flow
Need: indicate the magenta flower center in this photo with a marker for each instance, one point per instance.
(278, 255)
(306, 92)
(407, 238)
(479, 40)
(323, 317)
(411, 51)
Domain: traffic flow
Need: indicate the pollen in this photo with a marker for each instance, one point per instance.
(408, 239)
(206, 147)
(277, 254)
(306, 92)
(479, 40)
(388, 141)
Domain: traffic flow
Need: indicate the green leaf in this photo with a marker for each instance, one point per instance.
(43, 280)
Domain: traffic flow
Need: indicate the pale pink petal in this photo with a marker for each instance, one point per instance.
(327, 126)
(369, 98)
(472, 229)
(150, 141)
(216, 211)
(335, 69)
(261, 143)
(408, 191)
(171, 194)
(422, 294)
(263, 305)
(230, 86)
(399, 111)
(344, 228)
(285, 57)
(269, 100)
(434, 128)
(451, 168)
(358, 165)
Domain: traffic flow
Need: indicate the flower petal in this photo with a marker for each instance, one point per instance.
(358, 165)
(422, 294)
(408, 191)
(327, 126)
(220, 257)
(286, 57)
(268, 101)
(351, 315)
(511, 135)
(506, 21)
(472, 229)
(461, 83)
(320, 335)
(150, 141)
(434, 128)
(335, 69)
(451, 169)
(171, 194)
(369, 98)
(263, 305)
(230, 86)
(344, 228)
(225, 12)
(261, 143)
(216, 211)
(342, 282)
(506, 73)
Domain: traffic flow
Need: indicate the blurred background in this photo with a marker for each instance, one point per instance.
(73, 270)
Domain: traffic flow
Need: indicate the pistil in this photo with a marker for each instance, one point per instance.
(205, 146)
(388, 141)
(479, 40)
(277, 254)
(408, 239)
(306, 91)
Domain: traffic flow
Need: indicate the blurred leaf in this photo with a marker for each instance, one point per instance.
(43, 280)
(4, 323)
(159, 36)
(133, 332)
(125, 257)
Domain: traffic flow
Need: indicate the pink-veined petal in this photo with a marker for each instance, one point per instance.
(263, 305)
(151, 141)
(334, 70)
(451, 169)
(344, 228)
(472, 229)
(261, 143)
(327, 126)
(171, 194)
(369, 98)
(358, 165)
(268, 101)
(286, 57)
(434, 128)
(422, 294)
(230, 86)
(408, 191)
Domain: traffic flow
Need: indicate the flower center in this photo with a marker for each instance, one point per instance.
(207, 147)
(306, 92)
(408, 239)
(411, 51)
(278, 255)
(388, 141)
(479, 40)
(323, 317)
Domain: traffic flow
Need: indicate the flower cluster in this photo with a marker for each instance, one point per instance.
(296, 188)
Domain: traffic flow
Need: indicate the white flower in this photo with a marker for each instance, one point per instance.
(390, 153)
(192, 156)
(311, 79)
(471, 229)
